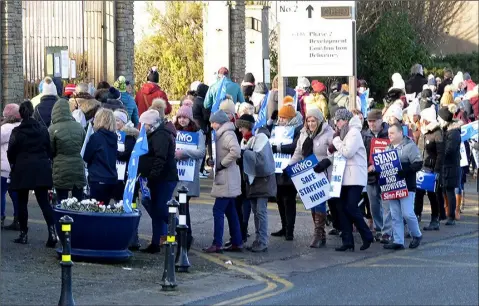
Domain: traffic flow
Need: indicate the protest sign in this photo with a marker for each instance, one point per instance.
(377, 145)
(387, 164)
(281, 135)
(469, 130)
(89, 132)
(464, 159)
(313, 188)
(121, 165)
(213, 151)
(186, 167)
(426, 181)
(339, 165)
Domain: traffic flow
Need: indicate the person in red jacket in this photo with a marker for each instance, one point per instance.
(149, 91)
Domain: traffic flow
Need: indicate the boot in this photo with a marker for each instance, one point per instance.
(23, 238)
(319, 240)
(458, 206)
(279, 233)
(433, 225)
(15, 226)
(463, 200)
(52, 237)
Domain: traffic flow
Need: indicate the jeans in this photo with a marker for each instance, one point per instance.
(286, 200)
(222, 207)
(42, 198)
(419, 203)
(459, 189)
(379, 210)
(403, 209)
(13, 196)
(62, 194)
(102, 192)
(161, 193)
(260, 211)
(321, 208)
(349, 213)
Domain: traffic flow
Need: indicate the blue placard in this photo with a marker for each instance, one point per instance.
(469, 130)
(186, 138)
(121, 136)
(387, 164)
(426, 181)
(302, 166)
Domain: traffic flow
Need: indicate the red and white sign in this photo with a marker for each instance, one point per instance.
(377, 145)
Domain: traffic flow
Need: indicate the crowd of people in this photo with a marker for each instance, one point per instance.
(43, 149)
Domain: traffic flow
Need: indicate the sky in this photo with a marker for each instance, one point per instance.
(142, 20)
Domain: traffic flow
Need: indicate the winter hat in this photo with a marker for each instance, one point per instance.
(303, 83)
(467, 76)
(316, 113)
(396, 112)
(245, 108)
(11, 110)
(375, 114)
(447, 112)
(458, 79)
(318, 86)
(228, 106)
(194, 85)
(394, 94)
(432, 81)
(245, 121)
(344, 88)
(121, 116)
(69, 89)
(49, 88)
(223, 71)
(185, 111)
(187, 102)
(120, 84)
(343, 114)
(429, 114)
(431, 76)
(248, 80)
(287, 111)
(219, 117)
(288, 99)
(202, 90)
(153, 75)
(113, 93)
(150, 117)
(413, 108)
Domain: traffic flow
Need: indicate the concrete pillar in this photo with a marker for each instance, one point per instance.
(237, 41)
(125, 40)
(11, 63)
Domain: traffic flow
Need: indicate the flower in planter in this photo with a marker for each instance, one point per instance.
(91, 205)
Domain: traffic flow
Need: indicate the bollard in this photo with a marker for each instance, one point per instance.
(182, 262)
(168, 281)
(66, 298)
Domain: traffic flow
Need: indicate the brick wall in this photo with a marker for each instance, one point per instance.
(237, 41)
(11, 62)
(125, 57)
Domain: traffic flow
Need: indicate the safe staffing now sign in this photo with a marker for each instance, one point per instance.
(317, 48)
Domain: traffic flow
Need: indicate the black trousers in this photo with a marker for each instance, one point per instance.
(62, 194)
(239, 210)
(451, 199)
(419, 203)
(286, 200)
(365, 207)
(42, 198)
(440, 202)
(333, 210)
(349, 213)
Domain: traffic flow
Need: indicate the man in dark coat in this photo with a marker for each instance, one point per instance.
(448, 75)
(43, 111)
(417, 81)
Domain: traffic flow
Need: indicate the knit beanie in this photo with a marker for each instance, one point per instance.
(11, 110)
(318, 86)
(150, 117)
(219, 117)
(249, 79)
(113, 93)
(396, 112)
(228, 106)
(194, 85)
(287, 111)
(202, 90)
(288, 99)
(303, 83)
(429, 114)
(153, 75)
(343, 114)
(245, 121)
(245, 108)
(316, 113)
(185, 111)
(447, 112)
(49, 88)
(344, 88)
(70, 89)
(467, 76)
(120, 115)
(120, 84)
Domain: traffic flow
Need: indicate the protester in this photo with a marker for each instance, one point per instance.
(259, 169)
(100, 156)
(43, 111)
(158, 166)
(335, 91)
(426, 99)
(66, 139)
(348, 142)
(201, 116)
(273, 102)
(286, 192)
(448, 75)
(415, 84)
(258, 98)
(11, 119)
(248, 86)
(315, 138)
(82, 101)
(302, 91)
(317, 98)
(127, 100)
(29, 154)
(151, 91)
(103, 85)
(226, 184)
(110, 98)
(231, 88)
(185, 122)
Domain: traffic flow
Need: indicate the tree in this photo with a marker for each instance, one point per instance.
(176, 48)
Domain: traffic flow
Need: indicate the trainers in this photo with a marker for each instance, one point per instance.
(393, 246)
(385, 239)
(213, 249)
(416, 241)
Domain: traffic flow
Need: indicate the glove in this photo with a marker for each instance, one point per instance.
(285, 174)
(220, 167)
(274, 148)
(331, 149)
(274, 115)
(322, 165)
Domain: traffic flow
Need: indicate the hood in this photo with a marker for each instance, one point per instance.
(431, 127)
(455, 125)
(30, 128)
(355, 123)
(263, 130)
(296, 121)
(109, 137)
(170, 127)
(130, 131)
(228, 126)
(202, 90)
(150, 88)
(61, 112)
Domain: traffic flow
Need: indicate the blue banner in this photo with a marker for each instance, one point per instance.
(364, 102)
(140, 148)
(145, 191)
(387, 164)
(220, 96)
(469, 130)
(426, 181)
(261, 121)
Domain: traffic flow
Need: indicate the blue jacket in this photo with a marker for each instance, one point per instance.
(100, 155)
(131, 107)
(232, 89)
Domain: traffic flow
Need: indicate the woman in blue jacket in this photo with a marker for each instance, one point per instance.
(100, 156)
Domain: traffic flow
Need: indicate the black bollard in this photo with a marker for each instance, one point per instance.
(66, 298)
(168, 281)
(182, 262)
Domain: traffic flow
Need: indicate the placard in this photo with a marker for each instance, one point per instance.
(186, 167)
(464, 159)
(213, 151)
(281, 135)
(426, 181)
(377, 145)
(469, 130)
(65, 64)
(121, 165)
(312, 187)
(391, 185)
(339, 165)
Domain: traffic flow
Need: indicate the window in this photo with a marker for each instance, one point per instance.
(253, 24)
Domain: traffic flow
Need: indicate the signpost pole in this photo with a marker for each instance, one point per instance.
(353, 79)
(281, 87)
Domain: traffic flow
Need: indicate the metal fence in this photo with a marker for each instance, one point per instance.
(82, 26)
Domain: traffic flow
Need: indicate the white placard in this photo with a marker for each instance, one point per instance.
(73, 69)
(121, 170)
(339, 165)
(65, 59)
(321, 48)
(186, 167)
(213, 151)
(281, 161)
(464, 159)
(281, 135)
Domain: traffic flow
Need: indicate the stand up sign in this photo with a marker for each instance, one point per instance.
(387, 164)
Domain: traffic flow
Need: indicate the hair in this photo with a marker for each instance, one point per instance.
(192, 126)
(274, 85)
(103, 85)
(105, 119)
(398, 126)
(448, 73)
(417, 69)
(26, 109)
(81, 87)
(159, 105)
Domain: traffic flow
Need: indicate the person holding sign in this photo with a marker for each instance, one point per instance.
(349, 144)
(315, 138)
(185, 123)
(402, 207)
(227, 183)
